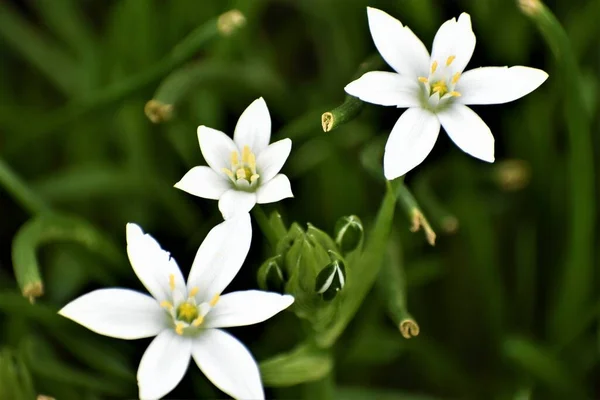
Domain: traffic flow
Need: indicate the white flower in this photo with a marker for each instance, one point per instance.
(243, 171)
(185, 318)
(435, 90)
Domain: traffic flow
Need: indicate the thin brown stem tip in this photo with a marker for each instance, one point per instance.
(419, 221)
(327, 121)
(230, 21)
(158, 112)
(33, 290)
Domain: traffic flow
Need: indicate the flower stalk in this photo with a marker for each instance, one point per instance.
(437, 212)
(408, 202)
(265, 226)
(20, 191)
(578, 272)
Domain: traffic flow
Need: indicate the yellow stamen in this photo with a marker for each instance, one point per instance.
(454, 93)
(439, 87)
(227, 172)
(214, 300)
(246, 154)
(240, 173)
(449, 60)
(187, 312)
(179, 328)
(172, 281)
(193, 292)
(455, 78)
(234, 159)
(252, 161)
(434, 67)
(166, 304)
(254, 177)
(423, 79)
(196, 323)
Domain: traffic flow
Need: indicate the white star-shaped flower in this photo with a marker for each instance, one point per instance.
(435, 90)
(185, 318)
(243, 171)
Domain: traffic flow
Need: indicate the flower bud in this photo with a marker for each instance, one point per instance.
(348, 233)
(331, 280)
(271, 275)
(319, 237)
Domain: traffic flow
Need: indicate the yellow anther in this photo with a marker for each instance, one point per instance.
(214, 300)
(234, 159)
(254, 178)
(455, 78)
(240, 173)
(198, 321)
(193, 292)
(172, 281)
(423, 79)
(434, 67)
(454, 93)
(439, 87)
(449, 60)
(246, 154)
(227, 172)
(166, 304)
(179, 328)
(252, 161)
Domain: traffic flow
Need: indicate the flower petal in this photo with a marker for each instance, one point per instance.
(220, 256)
(216, 147)
(468, 131)
(276, 189)
(204, 182)
(454, 38)
(496, 85)
(228, 364)
(246, 308)
(254, 127)
(385, 89)
(118, 313)
(398, 45)
(234, 202)
(163, 364)
(271, 160)
(152, 265)
(411, 140)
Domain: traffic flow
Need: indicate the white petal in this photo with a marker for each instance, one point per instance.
(454, 38)
(119, 313)
(397, 44)
(228, 364)
(271, 160)
(204, 182)
(163, 364)
(385, 89)
(220, 256)
(246, 308)
(468, 131)
(496, 85)
(234, 202)
(216, 147)
(411, 140)
(276, 189)
(152, 265)
(254, 127)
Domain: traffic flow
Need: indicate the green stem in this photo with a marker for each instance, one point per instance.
(322, 389)
(263, 222)
(19, 190)
(578, 270)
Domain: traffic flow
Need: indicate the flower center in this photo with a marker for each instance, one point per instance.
(441, 81)
(243, 172)
(186, 314)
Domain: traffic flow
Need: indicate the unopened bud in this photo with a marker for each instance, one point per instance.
(318, 237)
(530, 7)
(348, 233)
(331, 280)
(270, 275)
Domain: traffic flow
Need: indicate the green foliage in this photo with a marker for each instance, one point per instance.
(507, 300)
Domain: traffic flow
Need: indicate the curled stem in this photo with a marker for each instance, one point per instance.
(408, 202)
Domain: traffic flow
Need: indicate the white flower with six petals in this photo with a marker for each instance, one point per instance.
(185, 318)
(243, 171)
(435, 90)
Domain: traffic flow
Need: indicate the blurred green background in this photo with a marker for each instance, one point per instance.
(507, 300)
